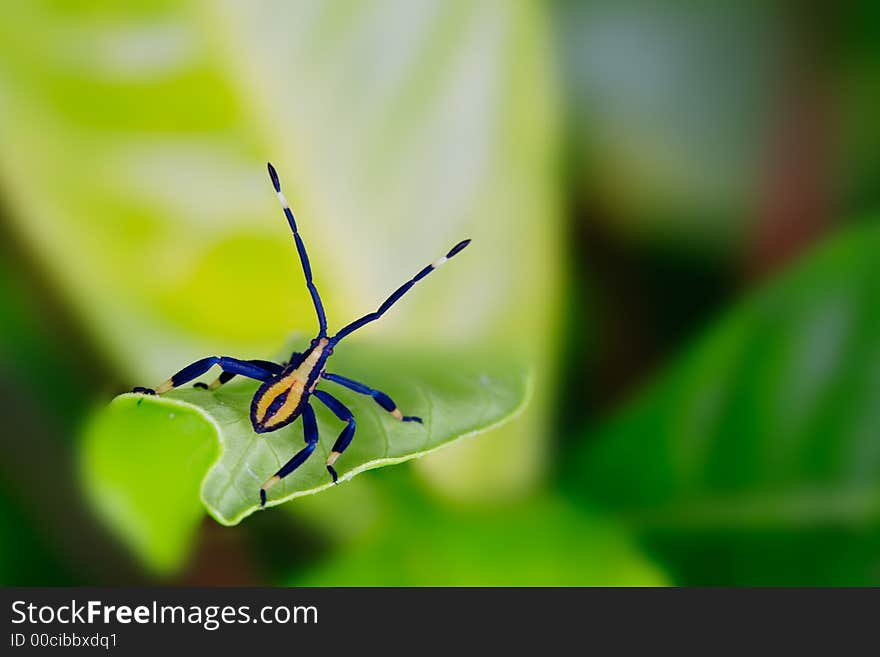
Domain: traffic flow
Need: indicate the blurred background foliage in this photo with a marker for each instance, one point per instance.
(673, 208)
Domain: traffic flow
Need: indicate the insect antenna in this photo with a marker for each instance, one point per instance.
(301, 249)
(403, 289)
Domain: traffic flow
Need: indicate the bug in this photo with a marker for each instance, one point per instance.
(287, 388)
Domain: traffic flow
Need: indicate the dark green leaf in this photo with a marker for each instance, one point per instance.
(768, 428)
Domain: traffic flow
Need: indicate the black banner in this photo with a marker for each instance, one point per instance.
(262, 620)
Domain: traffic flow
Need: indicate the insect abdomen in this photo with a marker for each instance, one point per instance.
(279, 402)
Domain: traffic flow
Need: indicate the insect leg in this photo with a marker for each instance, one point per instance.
(226, 377)
(301, 249)
(381, 398)
(344, 440)
(403, 289)
(310, 432)
(190, 372)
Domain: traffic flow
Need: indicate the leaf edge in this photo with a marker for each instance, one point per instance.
(527, 380)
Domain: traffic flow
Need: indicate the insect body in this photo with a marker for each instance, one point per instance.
(287, 388)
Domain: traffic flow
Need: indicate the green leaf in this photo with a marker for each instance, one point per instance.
(150, 459)
(543, 542)
(766, 431)
(142, 465)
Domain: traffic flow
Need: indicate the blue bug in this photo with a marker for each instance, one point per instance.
(287, 388)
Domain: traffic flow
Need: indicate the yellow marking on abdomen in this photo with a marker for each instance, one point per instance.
(277, 388)
(294, 383)
(289, 406)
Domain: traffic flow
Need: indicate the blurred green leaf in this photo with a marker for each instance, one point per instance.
(142, 466)
(544, 542)
(33, 347)
(766, 430)
(149, 459)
